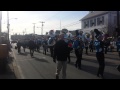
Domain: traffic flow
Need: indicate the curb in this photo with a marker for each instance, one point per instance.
(15, 66)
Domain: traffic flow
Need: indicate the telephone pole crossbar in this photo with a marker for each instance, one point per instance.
(42, 27)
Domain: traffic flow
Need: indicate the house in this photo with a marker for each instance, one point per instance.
(104, 21)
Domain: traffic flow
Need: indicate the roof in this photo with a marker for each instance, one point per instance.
(93, 14)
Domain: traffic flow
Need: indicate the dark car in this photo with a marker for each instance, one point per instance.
(14, 41)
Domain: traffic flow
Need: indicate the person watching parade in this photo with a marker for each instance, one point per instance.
(60, 53)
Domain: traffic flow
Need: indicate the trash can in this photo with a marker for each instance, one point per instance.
(3, 57)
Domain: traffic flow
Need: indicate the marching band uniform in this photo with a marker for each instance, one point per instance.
(99, 44)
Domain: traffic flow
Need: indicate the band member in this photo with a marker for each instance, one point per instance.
(31, 47)
(51, 42)
(78, 46)
(99, 44)
(91, 46)
(44, 43)
(24, 45)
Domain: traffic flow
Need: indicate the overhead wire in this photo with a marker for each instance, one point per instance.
(71, 24)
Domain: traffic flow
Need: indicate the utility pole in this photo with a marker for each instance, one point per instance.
(42, 27)
(34, 28)
(118, 28)
(8, 25)
(23, 32)
(118, 19)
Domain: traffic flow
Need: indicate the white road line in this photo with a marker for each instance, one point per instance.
(21, 74)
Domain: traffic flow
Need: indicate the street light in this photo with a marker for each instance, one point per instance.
(34, 28)
(8, 23)
(42, 27)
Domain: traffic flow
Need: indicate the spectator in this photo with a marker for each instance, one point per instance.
(61, 53)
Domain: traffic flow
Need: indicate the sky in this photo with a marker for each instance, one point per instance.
(22, 21)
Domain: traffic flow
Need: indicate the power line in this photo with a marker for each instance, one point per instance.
(70, 23)
(73, 24)
(53, 15)
(69, 15)
(21, 21)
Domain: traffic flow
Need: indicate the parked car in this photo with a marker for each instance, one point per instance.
(14, 41)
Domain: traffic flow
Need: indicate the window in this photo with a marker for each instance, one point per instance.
(91, 23)
(115, 20)
(95, 22)
(102, 20)
(84, 24)
(98, 21)
(88, 23)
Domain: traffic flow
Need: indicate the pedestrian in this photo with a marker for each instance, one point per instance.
(60, 53)
(44, 43)
(19, 46)
(99, 44)
(70, 49)
(118, 45)
(111, 46)
(86, 46)
(31, 47)
(106, 44)
(38, 45)
(24, 45)
(91, 46)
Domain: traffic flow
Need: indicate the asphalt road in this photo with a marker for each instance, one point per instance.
(43, 67)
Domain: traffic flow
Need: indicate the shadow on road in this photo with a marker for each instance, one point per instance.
(95, 61)
(41, 60)
(93, 70)
(6, 71)
(24, 54)
(112, 56)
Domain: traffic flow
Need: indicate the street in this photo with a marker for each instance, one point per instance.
(42, 66)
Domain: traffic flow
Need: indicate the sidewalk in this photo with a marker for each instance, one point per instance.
(9, 73)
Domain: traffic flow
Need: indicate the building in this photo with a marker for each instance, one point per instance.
(104, 21)
(5, 35)
(57, 32)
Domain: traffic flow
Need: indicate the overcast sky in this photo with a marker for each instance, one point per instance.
(25, 19)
